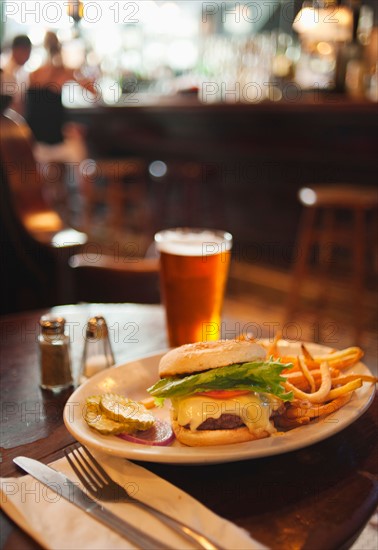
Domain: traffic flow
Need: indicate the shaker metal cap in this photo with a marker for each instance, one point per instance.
(52, 325)
(97, 327)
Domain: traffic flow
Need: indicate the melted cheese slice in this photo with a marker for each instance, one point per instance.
(253, 409)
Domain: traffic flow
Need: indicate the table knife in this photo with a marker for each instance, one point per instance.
(69, 490)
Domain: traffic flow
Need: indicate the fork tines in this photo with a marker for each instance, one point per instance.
(86, 467)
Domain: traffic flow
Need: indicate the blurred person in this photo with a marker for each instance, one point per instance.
(7, 90)
(14, 76)
(56, 141)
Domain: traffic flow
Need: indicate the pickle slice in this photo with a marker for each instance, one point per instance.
(123, 410)
(96, 419)
(92, 409)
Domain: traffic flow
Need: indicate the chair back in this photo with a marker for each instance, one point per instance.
(26, 183)
(38, 242)
(109, 280)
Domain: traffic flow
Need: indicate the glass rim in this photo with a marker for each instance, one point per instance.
(193, 241)
(223, 234)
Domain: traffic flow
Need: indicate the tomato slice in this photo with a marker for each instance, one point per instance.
(224, 394)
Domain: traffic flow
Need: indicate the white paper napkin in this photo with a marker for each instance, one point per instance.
(58, 524)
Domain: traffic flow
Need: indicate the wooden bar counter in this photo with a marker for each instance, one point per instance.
(253, 157)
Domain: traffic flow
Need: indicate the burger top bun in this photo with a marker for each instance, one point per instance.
(201, 356)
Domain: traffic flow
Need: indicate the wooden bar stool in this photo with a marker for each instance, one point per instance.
(338, 232)
(120, 186)
(189, 194)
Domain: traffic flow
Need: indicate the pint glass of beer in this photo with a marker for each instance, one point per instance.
(193, 271)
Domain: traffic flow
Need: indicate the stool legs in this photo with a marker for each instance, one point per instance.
(325, 237)
(300, 268)
(326, 250)
(358, 259)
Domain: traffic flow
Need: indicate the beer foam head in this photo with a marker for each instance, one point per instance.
(193, 242)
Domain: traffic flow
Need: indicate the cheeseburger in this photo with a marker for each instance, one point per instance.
(221, 392)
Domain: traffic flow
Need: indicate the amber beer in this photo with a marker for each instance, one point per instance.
(193, 267)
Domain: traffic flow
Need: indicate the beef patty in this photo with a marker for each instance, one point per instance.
(224, 422)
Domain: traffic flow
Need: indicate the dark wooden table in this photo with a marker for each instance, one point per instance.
(319, 497)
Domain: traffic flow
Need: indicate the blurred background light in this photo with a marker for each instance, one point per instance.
(307, 196)
(158, 169)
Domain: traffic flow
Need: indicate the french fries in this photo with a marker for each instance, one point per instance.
(317, 383)
(318, 396)
(336, 359)
(307, 374)
(299, 414)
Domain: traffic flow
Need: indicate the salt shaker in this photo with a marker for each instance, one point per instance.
(54, 354)
(97, 354)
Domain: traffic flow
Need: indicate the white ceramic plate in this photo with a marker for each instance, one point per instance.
(132, 379)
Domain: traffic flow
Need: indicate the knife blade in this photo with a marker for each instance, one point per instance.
(69, 490)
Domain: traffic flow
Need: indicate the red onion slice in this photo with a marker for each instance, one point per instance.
(159, 434)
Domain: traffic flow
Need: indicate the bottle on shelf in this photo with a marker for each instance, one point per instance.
(351, 62)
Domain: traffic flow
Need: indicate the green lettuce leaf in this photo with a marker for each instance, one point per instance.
(258, 376)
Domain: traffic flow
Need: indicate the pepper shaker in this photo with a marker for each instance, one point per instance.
(54, 354)
(97, 353)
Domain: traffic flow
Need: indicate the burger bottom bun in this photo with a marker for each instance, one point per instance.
(202, 438)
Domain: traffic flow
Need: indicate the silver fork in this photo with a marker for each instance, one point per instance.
(98, 483)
